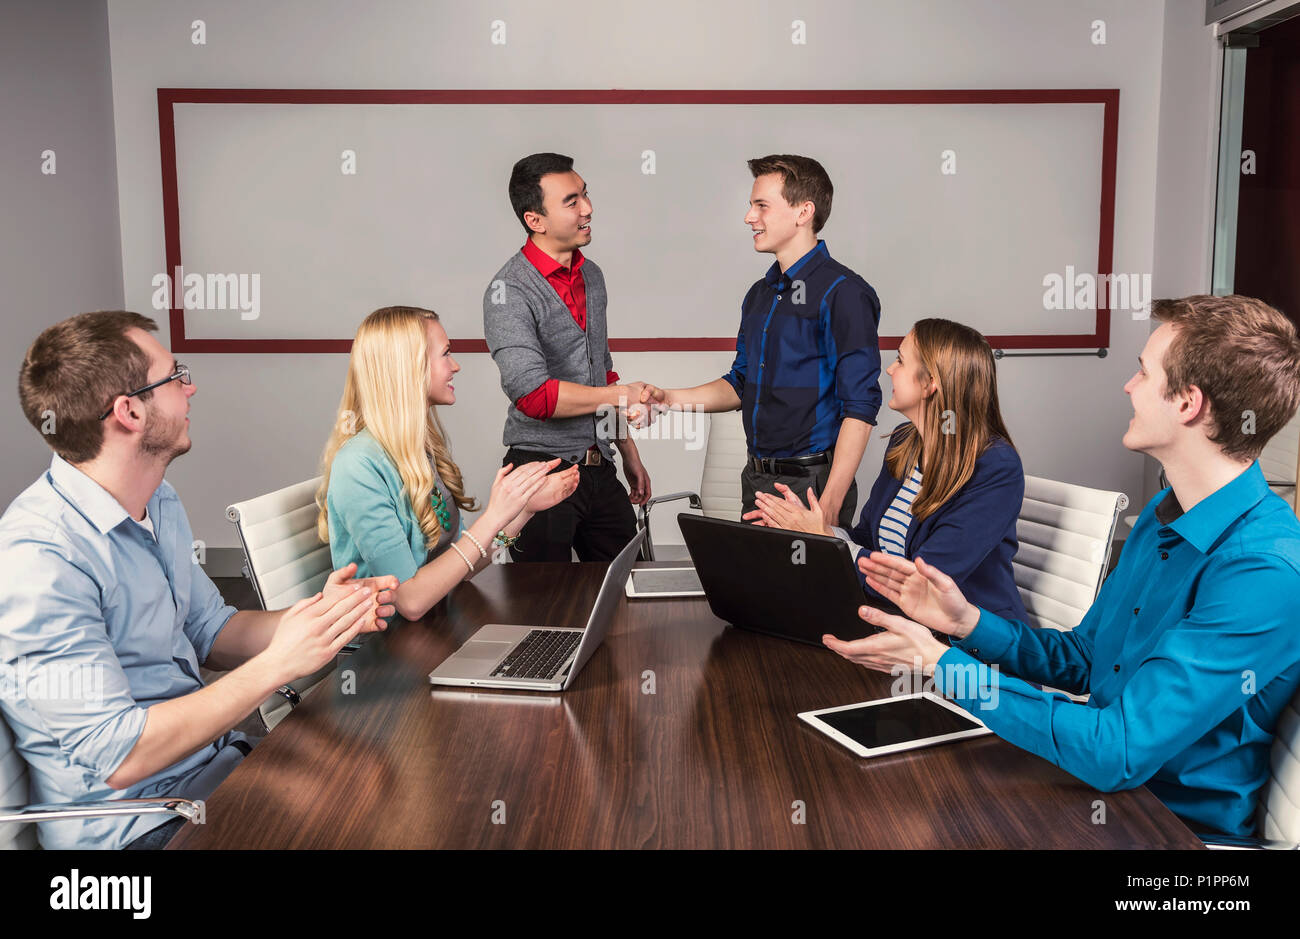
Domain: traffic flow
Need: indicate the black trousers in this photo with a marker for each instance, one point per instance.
(597, 521)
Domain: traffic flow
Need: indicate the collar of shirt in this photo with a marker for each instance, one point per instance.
(805, 265)
(547, 265)
(1204, 523)
(90, 498)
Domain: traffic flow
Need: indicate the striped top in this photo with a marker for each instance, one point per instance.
(897, 519)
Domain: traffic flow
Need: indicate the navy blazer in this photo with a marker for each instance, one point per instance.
(971, 537)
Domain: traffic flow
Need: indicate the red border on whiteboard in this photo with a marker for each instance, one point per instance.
(168, 97)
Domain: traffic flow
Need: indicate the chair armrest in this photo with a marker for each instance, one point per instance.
(648, 546)
(693, 496)
(1218, 842)
(51, 812)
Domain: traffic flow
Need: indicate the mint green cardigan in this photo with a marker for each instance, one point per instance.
(371, 519)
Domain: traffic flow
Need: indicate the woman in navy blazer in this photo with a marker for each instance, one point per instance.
(952, 484)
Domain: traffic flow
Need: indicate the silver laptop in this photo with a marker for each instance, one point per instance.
(538, 658)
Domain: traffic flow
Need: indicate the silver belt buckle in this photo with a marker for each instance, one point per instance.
(592, 457)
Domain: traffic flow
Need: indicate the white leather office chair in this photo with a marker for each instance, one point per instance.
(1279, 807)
(1065, 534)
(719, 495)
(285, 561)
(17, 818)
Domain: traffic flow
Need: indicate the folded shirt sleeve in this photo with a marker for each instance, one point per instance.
(1193, 677)
(849, 320)
(62, 676)
(736, 377)
(539, 404)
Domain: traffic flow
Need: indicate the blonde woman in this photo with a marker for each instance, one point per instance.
(952, 485)
(391, 495)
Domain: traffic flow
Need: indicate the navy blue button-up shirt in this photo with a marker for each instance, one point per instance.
(1190, 652)
(807, 356)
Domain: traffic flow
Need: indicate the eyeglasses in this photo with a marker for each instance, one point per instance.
(182, 374)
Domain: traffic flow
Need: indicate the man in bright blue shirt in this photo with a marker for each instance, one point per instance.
(806, 375)
(1192, 648)
(105, 616)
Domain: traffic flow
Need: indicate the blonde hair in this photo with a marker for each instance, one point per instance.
(386, 394)
(960, 419)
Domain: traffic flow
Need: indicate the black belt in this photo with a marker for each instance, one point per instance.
(590, 457)
(788, 465)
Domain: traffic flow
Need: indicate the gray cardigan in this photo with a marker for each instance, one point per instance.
(533, 337)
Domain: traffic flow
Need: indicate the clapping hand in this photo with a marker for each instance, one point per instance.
(788, 512)
(922, 591)
(341, 582)
(555, 489)
(513, 489)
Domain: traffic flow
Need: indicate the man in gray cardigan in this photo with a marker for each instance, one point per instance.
(544, 321)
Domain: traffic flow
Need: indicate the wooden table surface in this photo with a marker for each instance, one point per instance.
(714, 758)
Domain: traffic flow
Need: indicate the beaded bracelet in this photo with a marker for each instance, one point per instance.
(462, 556)
(478, 544)
(504, 540)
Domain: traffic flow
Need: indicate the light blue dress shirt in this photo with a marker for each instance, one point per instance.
(1190, 652)
(98, 621)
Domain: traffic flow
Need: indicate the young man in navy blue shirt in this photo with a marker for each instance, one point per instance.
(1191, 651)
(807, 368)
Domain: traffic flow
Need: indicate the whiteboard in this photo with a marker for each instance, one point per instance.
(426, 219)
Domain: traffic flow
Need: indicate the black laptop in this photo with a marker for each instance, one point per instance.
(783, 583)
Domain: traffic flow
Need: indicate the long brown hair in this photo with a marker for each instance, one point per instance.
(959, 420)
(386, 394)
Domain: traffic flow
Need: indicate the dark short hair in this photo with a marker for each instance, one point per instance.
(526, 182)
(73, 371)
(1244, 356)
(804, 180)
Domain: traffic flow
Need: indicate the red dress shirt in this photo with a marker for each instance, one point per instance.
(572, 289)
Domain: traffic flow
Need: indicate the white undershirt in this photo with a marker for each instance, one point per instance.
(146, 524)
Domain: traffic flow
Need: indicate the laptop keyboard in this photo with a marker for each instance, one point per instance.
(540, 655)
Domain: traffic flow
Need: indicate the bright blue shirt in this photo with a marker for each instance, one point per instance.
(371, 519)
(1190, 653)
(99, 621)
(807, 356)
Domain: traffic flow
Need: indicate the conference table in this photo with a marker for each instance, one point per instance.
(680, 732)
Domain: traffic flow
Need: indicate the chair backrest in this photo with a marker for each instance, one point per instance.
(1279, 804)
(724, 459)
(1065, 534)
(1280, 460)
(14, 793)
(285, 559)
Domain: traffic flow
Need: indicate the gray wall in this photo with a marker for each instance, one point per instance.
(259, 421)
(1185, 163)
(59, 242)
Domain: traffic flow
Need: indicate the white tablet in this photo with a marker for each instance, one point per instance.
(664, 582)
(891, 725)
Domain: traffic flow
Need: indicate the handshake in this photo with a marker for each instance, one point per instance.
(641, 403)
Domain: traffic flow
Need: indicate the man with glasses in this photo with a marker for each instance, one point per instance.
(105, 617)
